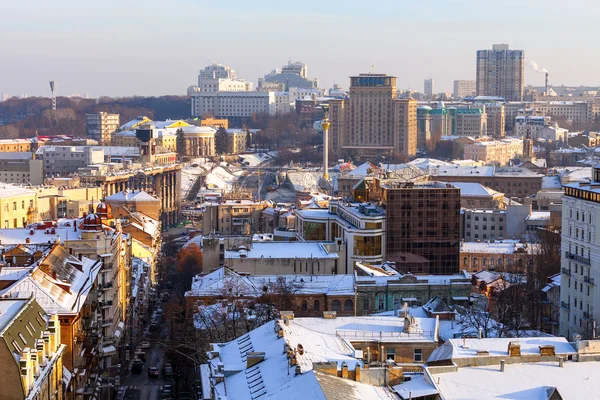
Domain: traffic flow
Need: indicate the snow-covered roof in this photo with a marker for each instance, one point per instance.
(213, 284)
(474, 189)
(9, 308)
(554, 281)
(497, 247)
(59, 282)
(551, 182)
(532, 381)
(498, 347)
(458, 170)
(282, 250)
(134, 195)
(144, 223)
(7, 191)
(538, 216)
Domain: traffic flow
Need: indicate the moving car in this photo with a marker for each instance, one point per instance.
(153, 372)
(145, 345)
(168, 370)
(137, 366)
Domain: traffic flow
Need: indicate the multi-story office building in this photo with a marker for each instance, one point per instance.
(373, 121)
(578, 112)
(580, 259)
(540, 127)
(291, 75)
(483, 224)
(428, 88)
(21, 168)
(219, 77)
(233, 217)
(423, 224)
(464, 88)
(233, 105)
(468, 121)
(65, 160)
(498, 152)
(500, 72)
(101, 126)
(360, 226)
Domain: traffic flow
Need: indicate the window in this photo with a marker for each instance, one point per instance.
(390, 354)
(336, 305)
(418, 355)
(348, 305)
(304, 305)
(317, 305)
(14, 206)
(465, 261)
(381, 302)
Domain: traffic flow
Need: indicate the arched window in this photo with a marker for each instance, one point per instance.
(348, 305)
(304, 305)
(317, 305)
(336, 305)
(465, 261)
(475, 262)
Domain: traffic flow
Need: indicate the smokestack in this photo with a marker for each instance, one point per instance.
(546, 83)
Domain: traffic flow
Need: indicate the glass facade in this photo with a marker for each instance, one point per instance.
(314, 230)
(367, 245)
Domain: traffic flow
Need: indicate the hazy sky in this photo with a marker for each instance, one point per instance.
(155, 47)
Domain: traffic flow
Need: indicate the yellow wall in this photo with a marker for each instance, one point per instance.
(18, 210)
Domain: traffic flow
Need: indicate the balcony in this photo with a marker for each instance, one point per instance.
(565, 305)
(589, 280)
(577, 258)
(586, 315)
(566, 271)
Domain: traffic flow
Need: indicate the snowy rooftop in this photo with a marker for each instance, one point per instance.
(64, 293)
(458, 170)
(538, 216)
(214, 283)
(135, 195)
(551, 182)
(474, 189)
(498, 247)
(534, 381)
(9, 308)
(498, 347)
(282, 250)
(7, 190)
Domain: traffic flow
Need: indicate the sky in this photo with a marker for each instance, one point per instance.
(156, 47)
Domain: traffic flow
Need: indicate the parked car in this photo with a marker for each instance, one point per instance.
(145, 345)
(168, 370)
(167, 392)
(137, 366)
(153, 372)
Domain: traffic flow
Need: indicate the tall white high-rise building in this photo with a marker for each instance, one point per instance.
(580, 259)
(501, 72)
(219, 78)
(428, 88)
(4, 97)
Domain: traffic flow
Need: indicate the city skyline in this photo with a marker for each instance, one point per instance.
(116, 55)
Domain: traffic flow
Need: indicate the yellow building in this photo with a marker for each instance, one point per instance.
(126, 139)
(15, 145)
(65, 202)
(30, 339)
(18, 206)
(215, 122)
(236, 142)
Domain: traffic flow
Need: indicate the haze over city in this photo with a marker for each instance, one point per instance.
(155, 47)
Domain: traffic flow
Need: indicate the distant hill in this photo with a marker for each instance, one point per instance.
(21, 118)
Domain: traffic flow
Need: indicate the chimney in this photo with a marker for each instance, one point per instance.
(344, 370)
(46, 338)
(297, 370)
(547, 350)
(300, 349)
(561, 362)
(254, 357)
(357, 373)
(501, 365)
(35, 369)
(25, 370)
(546, 84)
(27, 240)
(514, 349)
(41, 353)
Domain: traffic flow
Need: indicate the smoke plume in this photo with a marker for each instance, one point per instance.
(534, 66)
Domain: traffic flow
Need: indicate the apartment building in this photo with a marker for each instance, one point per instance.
(21, 168)
(31, 355)
(373, 121)
(101, 126)
(18, 206)
(233, 217)
(15, 145)
(66, 160)
(464, 88)
(233, 104)
(498, 152)
(501, 72)
(469, 121)
(540, 127)
(483, 224)
(428, 88)
(580, 255)
(496, 120)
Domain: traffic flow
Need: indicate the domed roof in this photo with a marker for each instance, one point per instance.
(92, 222)
(427, 108)
(104, 210)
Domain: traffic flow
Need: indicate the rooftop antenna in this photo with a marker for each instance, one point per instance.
(53, 87)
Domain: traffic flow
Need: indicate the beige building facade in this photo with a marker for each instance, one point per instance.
(498, 152)
(101, 126)
(373, 121)
(501, 72)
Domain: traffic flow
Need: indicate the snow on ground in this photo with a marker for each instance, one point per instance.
(256, 159)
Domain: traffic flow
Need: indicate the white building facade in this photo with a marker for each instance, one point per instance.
(580, 260)
(233, 104)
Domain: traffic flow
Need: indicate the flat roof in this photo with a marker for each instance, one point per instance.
(283, 250)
